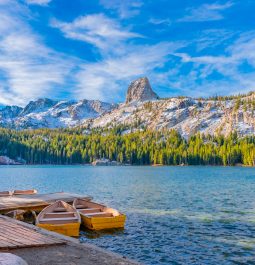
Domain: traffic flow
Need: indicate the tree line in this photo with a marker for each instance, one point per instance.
(79, 146)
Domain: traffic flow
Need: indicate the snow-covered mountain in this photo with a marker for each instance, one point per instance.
(142, 109)
(47, 113)
(186, 115)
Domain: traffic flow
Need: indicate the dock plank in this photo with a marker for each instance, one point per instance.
(14, 235)
(36, 201)
(18, 238)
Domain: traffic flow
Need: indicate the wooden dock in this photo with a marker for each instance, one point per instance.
(38, 246)
(35, 202)
(15, 235)
(42, 247)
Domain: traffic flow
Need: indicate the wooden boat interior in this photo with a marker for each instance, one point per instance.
(92, 209)
(5, 193)
(24, 192)
(59, 213)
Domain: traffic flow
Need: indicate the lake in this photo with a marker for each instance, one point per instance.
(175, 215)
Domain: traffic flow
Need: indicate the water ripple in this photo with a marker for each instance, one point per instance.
(175, 215)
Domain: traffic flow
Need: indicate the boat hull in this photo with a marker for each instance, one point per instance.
(70, 229)
(100, 223)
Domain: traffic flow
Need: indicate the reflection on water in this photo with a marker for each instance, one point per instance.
(155, 212)
(102, 233)
(175, 215)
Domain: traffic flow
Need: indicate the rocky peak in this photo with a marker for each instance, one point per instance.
(89, 108)
(10, 112)
(39, 105)
(140, 90)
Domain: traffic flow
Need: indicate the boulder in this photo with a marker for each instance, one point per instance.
(10, 259)
(105, 162)
(5, 160)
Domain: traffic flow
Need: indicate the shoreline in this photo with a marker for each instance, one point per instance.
(96, 166)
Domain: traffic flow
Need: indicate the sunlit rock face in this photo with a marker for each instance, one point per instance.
(140, 90)
(186, 115)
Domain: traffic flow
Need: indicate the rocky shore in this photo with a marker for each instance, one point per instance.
(5, 160)
(107, 162)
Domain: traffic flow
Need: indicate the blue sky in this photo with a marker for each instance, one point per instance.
(92, 49)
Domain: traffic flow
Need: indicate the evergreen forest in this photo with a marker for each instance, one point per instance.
(77, 146)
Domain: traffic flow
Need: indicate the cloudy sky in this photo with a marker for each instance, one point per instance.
(93, 49)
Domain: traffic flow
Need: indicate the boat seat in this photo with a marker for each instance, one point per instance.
(62, 213)
(24, 192)
(60, 219)
(79, 206)
(59, 214)
(60, 209)
(100, 214)
(90, 210)
(5, 193)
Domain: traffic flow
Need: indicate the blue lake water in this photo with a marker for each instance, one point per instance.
(175, 215)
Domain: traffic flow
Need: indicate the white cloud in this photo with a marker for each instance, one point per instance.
(241, 50)
(125, 9)
(206, 12)
(28, 68)
(213, 38)
(106, 79)
(121, 61)
(96, 29)
(234, 70)
(160, 21)
(38, 2)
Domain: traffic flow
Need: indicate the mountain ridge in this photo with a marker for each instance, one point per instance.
(186, 115)
(142, 109)
(47, 113)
